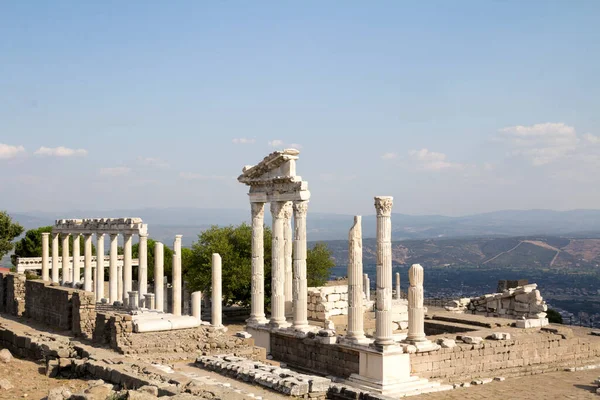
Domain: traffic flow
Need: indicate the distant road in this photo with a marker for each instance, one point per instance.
(504, 252)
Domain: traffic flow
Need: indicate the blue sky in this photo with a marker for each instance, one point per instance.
(452, 107)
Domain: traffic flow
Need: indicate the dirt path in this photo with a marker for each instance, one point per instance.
(504, 252)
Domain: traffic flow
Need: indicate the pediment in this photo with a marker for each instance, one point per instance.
(277, 167)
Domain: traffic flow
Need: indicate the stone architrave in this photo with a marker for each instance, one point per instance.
(257, 306)
(217, 293)
(159, 279)
(398, 292)
(76, 277)
(113, 273)
(127, 269)
(99, 267)
(416, 312)
(278, 266)
(45, 256)
(287, 259)
(55, 237)
(87, 263)
(66, 264)
(383, 312)
(355, 276)
(143, 267)
(197, 305)
(367, 287)
(300, 293)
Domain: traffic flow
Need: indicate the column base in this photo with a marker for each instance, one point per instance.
(279, 324)
(261, 335)
(255, 321)
(383, 372)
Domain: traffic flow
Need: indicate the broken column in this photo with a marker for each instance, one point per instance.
(45, 256)
(398, 296)
(99, 266)
(112, 270)
(76, 272)
(299, 292)
(149, 301)
(287, 259)
(367, 287)
(257, 304)
(355, 294)
(217, 293)
(196, 305)
(416, 312)
(55, 237)
(278, 266)
(134, 300)
(159, 279)
(87, 262)
(383, 312)
(143, 267)
(127, 269)
(66, 265)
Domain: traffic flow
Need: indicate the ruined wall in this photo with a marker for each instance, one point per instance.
(84, 314)
(15, 293)
(311, 355)
(50, 305)
(535, 353)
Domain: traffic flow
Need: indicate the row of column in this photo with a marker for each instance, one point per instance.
(288, 264)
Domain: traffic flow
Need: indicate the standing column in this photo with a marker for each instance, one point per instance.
(99, 266)
(416, 312)
(217, 294)
(196, 305)
(299, 288)
(87, 263)
(383, 313)
(66, 265)
(76, 276)
(367, 287)
(55, 257)
(143, 267)
(176, 281)
(355, 276)
(45, 256)
(287, 259)
(127, 284)
(398, 296)
(257, 305)
(112, 270)
(278, 266)
(159, 279)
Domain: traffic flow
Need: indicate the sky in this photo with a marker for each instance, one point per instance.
(453, 108)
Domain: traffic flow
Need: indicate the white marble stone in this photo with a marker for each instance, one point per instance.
(45, 256)
(99, 269)
(257, 305)
(383, 312)
(278, 319)
(88, 281)
(55, 238)
(143, 267)
(355, 276)
(127, 267)
(66, 266)
(76, 270)
(159, 262)
(112, 270)
(217, 294)
(197, 305)
(299, 290)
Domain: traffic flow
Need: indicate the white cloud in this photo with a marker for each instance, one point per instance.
(431, 160)
(153, 162)
(389, 156)
(7, 151)
(276, 143)
(282, 145)
(60, 151)
(591, 138)
(191, 176)
(541, 143)
(115, 171)
(243, 141)
(296, 146)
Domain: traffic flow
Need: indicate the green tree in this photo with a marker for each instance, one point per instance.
(554, 317)
(9, 231)
(31, 244)
(234, 244)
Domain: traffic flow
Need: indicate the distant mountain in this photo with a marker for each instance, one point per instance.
(164, 223)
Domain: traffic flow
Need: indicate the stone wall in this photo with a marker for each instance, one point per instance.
(325, 302)
(15, 293)
(84, 314)
(309, 354)
(51, 305)
(540, 351)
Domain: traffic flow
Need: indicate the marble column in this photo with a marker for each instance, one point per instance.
(287, 259)
(99, 266)
(87, 262)
(383, 313)
(398, 293)
(300, 291)
(416, 312)
(278, 266)
(197, 305)
(55, 237)
(149, 301)
(143, 267)
(176, 282)
(217, 293)
(127, 271)
(134, 300)
(112, 270)
(66, 264)
(356, 331)
(45, 256)
(76, 275)
(159, 279)
(257, 305)
(367, 287)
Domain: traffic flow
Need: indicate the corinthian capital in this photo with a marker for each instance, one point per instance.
(258, 210)
(287, 210)
(300, 208)
(278, 208)
(383, 205)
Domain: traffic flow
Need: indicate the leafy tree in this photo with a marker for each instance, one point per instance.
(554, 317)
(9, 231)
(31, 244)
(234, 244)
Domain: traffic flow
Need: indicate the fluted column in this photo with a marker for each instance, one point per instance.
(355, 277)
(45, 256)
(87, 262)
(367, 286)
(217, 293)
(398, 296)
(299, 292)
(112, 270)
(416, 312)
(99, 266)
(257, 305)
(159, 279)
(383, 313)
(66, 264)
(76, 274)
(55, 257)
(287, 259)
(127, 272)
(143, 267)
(176, 279)
(278, 266)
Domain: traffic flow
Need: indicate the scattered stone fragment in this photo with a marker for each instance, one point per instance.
(5, 384)
(5, 356)
(595, 333)
(60, 393)
(499, 336)
(446, 343)
(243, 334)
(471, 339)
(500, 378)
